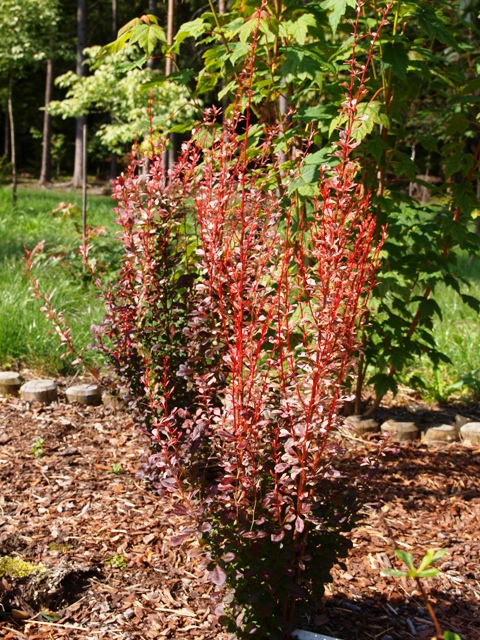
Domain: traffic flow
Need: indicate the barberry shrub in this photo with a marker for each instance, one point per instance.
(233, 325)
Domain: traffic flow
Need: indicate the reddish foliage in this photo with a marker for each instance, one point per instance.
(233, 324)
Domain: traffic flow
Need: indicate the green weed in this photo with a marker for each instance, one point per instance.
(424, 570)
(118, 561)
(37, 448)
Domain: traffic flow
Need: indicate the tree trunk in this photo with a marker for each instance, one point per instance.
(81, 72)
(114, 19)
(152, 10)
(221, 12)
(113, 159)
(46, 168)
(13, 155)
(169, 156)
(6, 143)
(170, 34)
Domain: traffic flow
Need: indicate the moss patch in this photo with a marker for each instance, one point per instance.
(17, 568)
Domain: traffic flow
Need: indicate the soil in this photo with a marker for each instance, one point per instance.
(78, 508)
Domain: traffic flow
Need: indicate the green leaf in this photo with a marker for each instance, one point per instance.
(247, 29)
(182, 128)
(427, 573)
(450, 635)
(193, 29)
(382, 383)
(298, 28)
(182, 77)
(458, 163)
(431, 557)
(432, 24)
(405, 557)
(130, 26)
(116, 45)
(338, 9)
(302, 64)
(226, 90)
(472, 302)
(148, 36)
(207, 81)
(428, 307)
(394, 56)
(394, 572)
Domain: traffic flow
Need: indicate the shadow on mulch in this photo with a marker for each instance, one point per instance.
(408, 475)
(395, 617)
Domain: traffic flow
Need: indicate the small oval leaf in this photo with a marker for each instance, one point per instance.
(218, 576)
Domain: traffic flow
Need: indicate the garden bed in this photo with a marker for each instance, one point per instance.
(73, 504)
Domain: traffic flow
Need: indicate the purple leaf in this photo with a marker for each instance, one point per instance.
(277, 536)
(176, 541)
(218, 576)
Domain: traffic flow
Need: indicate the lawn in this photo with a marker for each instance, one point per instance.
(458, 336)
(26, 337)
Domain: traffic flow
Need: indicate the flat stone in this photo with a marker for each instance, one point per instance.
(87, 394)
(443, 433)
(44, 391)
(10, 383)
(400, 431)
(470, 432)
(361, 426)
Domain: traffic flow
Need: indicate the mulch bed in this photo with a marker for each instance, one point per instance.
(79, 509)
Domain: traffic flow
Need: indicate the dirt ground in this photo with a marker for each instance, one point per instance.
(78, 508)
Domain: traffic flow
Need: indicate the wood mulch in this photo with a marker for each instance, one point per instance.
(80, 510)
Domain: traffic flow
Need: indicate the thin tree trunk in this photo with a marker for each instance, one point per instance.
(152, 10)
(221, 12)
(170, 34)
(113, 160)
(114, 19)
(169, 156)
(46, 168)
(81, 72)
(6, 144)
(13, 155)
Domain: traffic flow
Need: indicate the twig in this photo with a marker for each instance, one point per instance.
(62, 626)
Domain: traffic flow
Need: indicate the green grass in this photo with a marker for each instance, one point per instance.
(26, 338)
(458, 336)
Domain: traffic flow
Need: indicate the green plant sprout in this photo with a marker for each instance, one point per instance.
(116, 468)
(118, 561)
(424, 570)
(37, 448)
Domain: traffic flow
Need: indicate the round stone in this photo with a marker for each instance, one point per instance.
(400, 431)
(443, 433)
(10, 383)
(87, 394)
(44, 391)
(471, 432)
